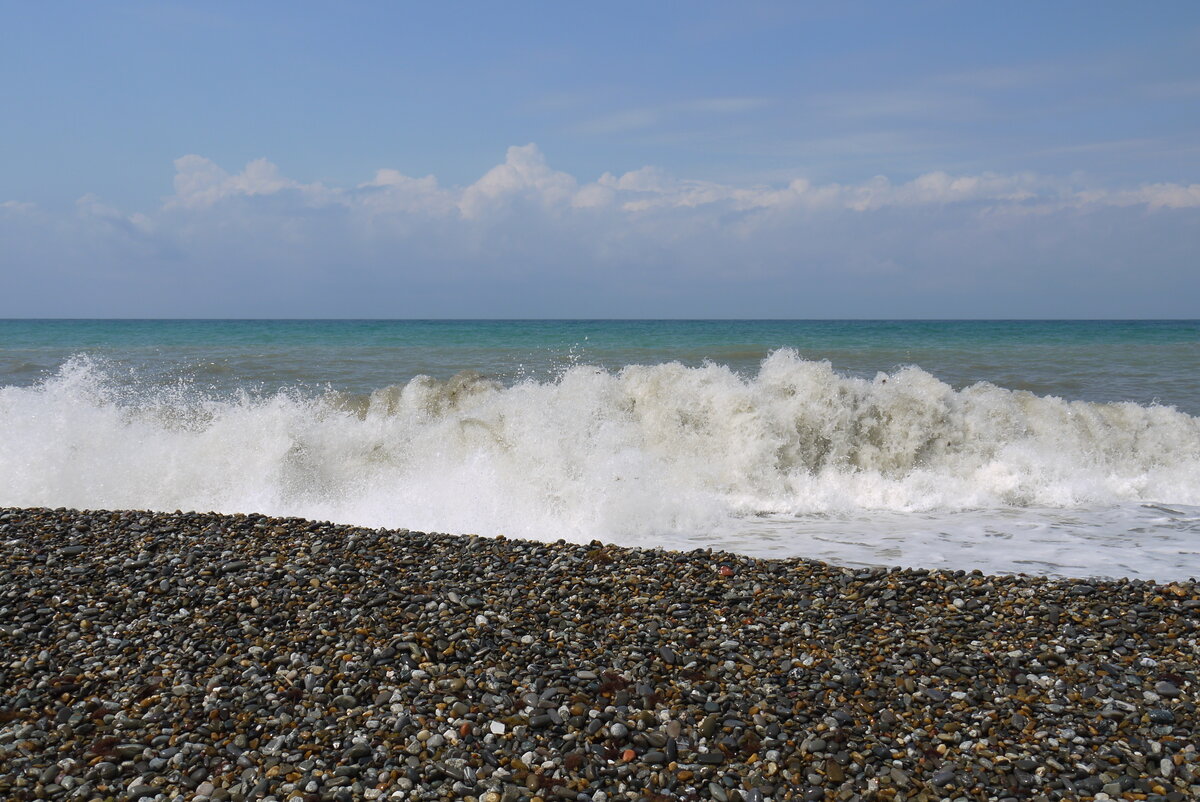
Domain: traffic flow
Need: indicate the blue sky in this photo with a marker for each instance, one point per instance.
(936, 159)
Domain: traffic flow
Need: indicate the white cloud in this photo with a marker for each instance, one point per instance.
(199, 182)
(523, 174)
(526, 177)
(1153, 196)
(257, 242)
(92, 211)
(649, 188)
(392, 192)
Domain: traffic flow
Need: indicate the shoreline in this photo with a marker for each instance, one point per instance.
(205, 656)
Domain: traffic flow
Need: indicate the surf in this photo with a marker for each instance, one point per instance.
(657, 455)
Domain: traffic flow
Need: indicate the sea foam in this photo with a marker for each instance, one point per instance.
(796, 460)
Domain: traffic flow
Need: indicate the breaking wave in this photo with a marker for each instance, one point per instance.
(653, 455)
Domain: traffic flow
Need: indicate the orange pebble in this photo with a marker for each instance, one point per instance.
(628, 755)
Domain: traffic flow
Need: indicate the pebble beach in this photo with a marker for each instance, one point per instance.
(149, 656)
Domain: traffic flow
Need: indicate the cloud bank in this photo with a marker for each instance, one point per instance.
(526, 240)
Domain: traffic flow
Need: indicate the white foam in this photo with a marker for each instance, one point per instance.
(901, 469)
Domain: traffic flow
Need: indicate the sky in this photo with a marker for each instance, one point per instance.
(781, 160)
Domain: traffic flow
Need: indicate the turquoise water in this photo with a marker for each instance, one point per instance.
(1055, 447)
(1141, 361)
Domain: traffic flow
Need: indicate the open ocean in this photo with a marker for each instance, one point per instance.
(1067, 448)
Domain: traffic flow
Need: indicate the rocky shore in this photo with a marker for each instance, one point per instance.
(198, 656)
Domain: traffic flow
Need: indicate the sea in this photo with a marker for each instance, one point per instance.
(1061, 448)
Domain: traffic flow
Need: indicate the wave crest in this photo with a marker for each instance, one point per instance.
(626, 455)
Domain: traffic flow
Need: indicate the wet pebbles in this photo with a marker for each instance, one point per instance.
(194, 656)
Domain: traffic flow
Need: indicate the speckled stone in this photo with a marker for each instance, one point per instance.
(198, 656)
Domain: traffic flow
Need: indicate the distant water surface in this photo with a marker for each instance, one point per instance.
(1060, 447)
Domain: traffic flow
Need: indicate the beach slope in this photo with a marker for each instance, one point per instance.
(191, 656)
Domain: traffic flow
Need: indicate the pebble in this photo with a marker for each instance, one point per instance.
(200, 656)
(943, 777)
